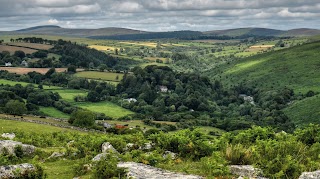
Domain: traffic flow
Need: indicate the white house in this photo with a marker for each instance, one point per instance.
(163, 89)
(8, 64)
(24, 63)
(130, 100)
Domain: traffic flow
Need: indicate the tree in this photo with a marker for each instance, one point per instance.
(19, 54)
(72, 69)
(82, 118)
(15, 107)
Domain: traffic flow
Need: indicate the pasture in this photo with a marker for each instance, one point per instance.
(69, 94)
(105, 76)
(12, 49)
(53, 112)
(103, 48)
(108, 108)
(32, 45)
(22, 71)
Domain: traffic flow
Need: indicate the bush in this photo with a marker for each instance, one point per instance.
(82, 118)
(107, 168)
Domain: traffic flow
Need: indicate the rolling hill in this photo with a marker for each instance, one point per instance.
(296, 67)
(56, 30)
(115, 33)
(263, 32)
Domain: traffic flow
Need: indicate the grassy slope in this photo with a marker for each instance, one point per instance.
(296, 67)
(305, 111)
(107, 108)
(53, 112)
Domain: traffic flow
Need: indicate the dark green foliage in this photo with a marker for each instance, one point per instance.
(82, 118)
(107, 168)
(15, 107)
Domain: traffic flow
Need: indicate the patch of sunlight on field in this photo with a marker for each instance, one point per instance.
(53, 112)
(102, 48)
(148, 44)
(108, 108)
(244, 66)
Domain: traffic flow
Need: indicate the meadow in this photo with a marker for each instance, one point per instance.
(53, 112)
(105, 76)
(31, 45)
(12, 49)
(21, 70)
(108, 108)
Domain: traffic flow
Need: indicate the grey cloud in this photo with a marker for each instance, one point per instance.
(160, 15)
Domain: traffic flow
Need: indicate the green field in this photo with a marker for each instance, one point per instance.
(108, 108)
(296, 68)
(12, 126)
(69, 94)
(12, 83)
(53, 112)
(305, 111)
(105, 76)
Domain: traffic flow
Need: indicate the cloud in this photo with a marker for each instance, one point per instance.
(160, 15)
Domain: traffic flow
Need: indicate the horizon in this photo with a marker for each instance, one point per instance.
(160, 15)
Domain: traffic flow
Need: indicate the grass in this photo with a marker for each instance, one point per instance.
(69, 94)
(103, 48)
(12, 83)
(106, 76)
(305, 111)
(296, 68)
(131, 123)
(12, 126)
(53, 112)
(108, 108)
(20, 70)
(32, 45)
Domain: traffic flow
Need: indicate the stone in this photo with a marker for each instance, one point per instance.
(245, 171)
(56, 155)
(10, 171)
(147, 146)
(141, 171)
(169, 154)
(99, 157)
(8, 135)
(107, 147)
(310, 175)
(9, 146)
(70, 143)
(130, 146)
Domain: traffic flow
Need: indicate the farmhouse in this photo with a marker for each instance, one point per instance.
(247, 98)
(163, 89)
(8, 64)
(24, 63)
(130, 100)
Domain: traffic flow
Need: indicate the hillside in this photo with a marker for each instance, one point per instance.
(245, 31)
(296, 68)
(305, 111)
(263, 32)
(56, 30)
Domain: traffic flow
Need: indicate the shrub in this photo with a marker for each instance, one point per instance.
(107, 168)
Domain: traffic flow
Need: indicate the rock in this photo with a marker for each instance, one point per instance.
(310, 175)
(147, 146)
(56, 155)
(107, 147)
(9, 146)
(169, 154)
(99, 157)
(10, 171)
(87, 167)
(141, 171)
(245, 171)
(8, 135)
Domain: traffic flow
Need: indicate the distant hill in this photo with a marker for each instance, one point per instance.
(130, 34)
(56, 30)
(263, 32)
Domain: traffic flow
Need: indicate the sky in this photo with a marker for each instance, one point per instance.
(161, 15)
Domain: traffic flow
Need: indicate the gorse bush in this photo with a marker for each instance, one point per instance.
(107, 168)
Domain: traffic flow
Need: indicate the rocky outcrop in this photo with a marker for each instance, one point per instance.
(56, 155)
(99, 157)
(8, 135)
(107, 147)
(141, 171)
(247, 171)
(10, 171)
(9, 147)
(310, 175)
